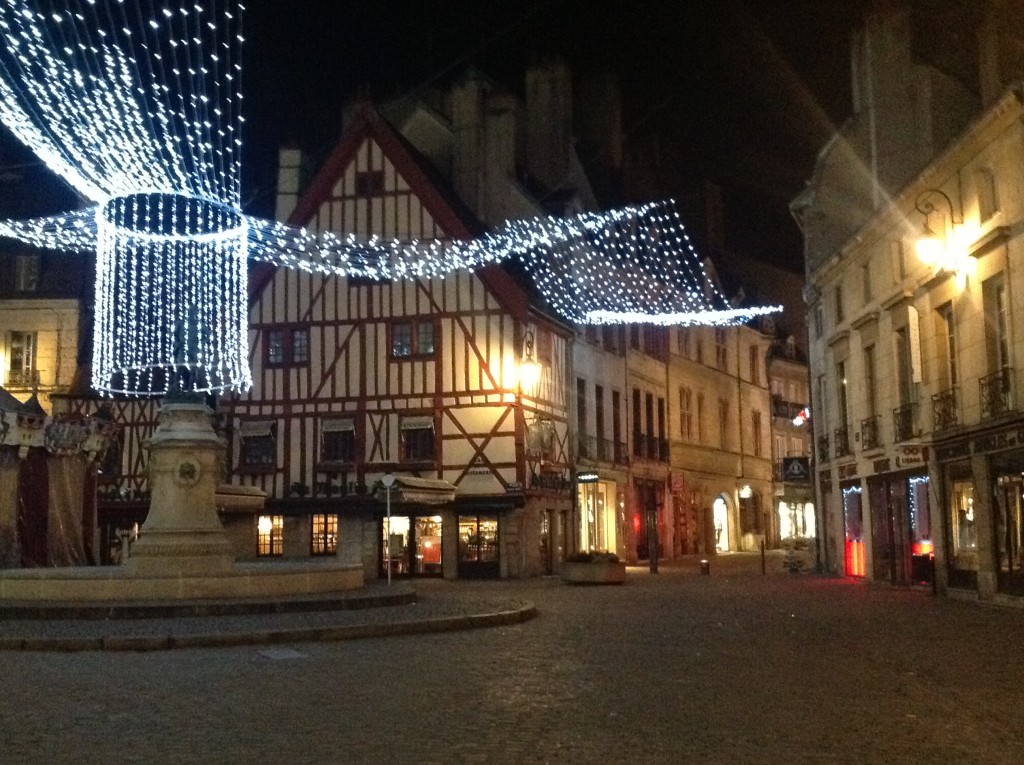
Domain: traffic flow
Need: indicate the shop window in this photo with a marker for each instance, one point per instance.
(338, 441)
(270, 535)
(1009, 527)
(478, 539)
(417, 440)
(325, 534)
(287, 346)
(410, 339)
(964, 532)
(853, 519)
(258, 446)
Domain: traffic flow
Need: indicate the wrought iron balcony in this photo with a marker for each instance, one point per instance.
(650, 447)
(841, 440)
(996, 390)
(904, 422)
(945, 412)
(588, 447)
(785, 409)
(870, 432)
(621, 453)
(823, 449)
(22, 378)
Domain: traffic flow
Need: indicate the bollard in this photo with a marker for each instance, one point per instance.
(705, 567)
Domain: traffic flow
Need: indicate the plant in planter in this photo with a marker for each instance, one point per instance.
(593, 567)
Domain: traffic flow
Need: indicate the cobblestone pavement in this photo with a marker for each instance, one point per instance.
(734, 667)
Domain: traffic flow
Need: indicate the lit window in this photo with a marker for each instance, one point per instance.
(325, 534)
(270, 535)
(21, 360)
(412, 338)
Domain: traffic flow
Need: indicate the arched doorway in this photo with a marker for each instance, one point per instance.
(720, 516)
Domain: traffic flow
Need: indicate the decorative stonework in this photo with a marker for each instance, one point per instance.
(182, 534)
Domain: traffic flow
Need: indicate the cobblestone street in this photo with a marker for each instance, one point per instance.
(735, 667)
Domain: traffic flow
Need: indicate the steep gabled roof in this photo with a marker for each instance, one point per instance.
(443, 205)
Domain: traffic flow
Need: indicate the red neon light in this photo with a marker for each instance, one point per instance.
(855, 558)
(636, 522)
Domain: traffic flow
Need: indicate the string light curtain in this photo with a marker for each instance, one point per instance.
(137, 105)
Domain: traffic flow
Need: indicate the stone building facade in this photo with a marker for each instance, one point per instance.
(912, 227)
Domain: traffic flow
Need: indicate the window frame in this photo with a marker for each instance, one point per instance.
(289, 346)
(266, 466)
(270, 545)
(323, 542)
(414, 424)
(416, 326)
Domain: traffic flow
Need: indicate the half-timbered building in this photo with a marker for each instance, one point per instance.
(357, 382)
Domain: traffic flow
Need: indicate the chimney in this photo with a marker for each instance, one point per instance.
(289, 181)
(503, 154)
(548, 122)
(467, 104)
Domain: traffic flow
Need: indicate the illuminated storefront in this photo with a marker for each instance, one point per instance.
(853, 522)
(598, 503)
(720, 517)
(901, 539)
(796, 520)
(413, 543)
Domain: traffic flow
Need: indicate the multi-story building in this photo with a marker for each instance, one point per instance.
(356, 382)
(41, 295)
(912, 231)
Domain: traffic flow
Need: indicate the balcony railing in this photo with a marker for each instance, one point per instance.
(904, 422)
(621, 453)
(945, 412)
(824, 454)
(22, 378)
(841, 440)
(785, 409)
(588, 447)
(650, 447)
(996, 398)
(594, 448)
(870, 433)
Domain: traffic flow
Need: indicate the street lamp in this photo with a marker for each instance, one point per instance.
(529, 367)
(938, 250)
(388, 481)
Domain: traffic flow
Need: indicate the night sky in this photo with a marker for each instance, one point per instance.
(739, 92)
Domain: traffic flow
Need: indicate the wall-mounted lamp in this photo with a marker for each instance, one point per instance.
(941, 250)
(529, 367)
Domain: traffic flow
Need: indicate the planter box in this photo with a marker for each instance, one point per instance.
(596, 572)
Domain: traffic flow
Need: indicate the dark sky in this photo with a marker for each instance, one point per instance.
(739, 92)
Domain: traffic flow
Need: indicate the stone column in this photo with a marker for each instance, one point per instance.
(182, 534)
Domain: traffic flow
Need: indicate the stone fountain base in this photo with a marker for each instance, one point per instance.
(89, 584)
(182, 552)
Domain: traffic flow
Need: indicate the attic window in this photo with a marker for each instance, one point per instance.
(370, 183)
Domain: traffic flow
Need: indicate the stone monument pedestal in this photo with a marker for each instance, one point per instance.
(182, 534)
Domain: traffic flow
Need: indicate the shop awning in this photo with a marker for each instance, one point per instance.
(421, 491)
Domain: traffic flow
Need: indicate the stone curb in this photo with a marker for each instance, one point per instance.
(271, 636)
